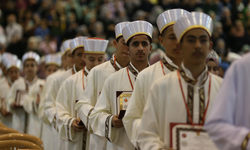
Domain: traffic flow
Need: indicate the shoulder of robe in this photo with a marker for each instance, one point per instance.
(100, 68)
(216, 79)
(148, 71)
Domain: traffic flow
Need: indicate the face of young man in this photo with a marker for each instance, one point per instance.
(195, 46)
(50, 69)
(13, 73)
(139, 48)
(212, 67)
(30, 68)
(93, 60)
(121, 48)
(78, 58)
(64, 63)
(68, 59)
(169, 42)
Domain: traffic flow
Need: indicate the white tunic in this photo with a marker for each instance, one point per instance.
(229, 124)
(19, 117)
(5, 86)
(30, 106)
(96, 79)
(50, 106)
(48, 130)
(70, 91)
(106, 107)
(137, 102)
(165, 105)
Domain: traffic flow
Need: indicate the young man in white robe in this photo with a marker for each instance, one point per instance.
(105, 120)
(76, 51)
(213, 62)
(96, 79)
(12, 66)
(53, 140)
(228, 124)
(52, 64)
(170, 62)
(71, 90)
(21, 121)
(179, 102)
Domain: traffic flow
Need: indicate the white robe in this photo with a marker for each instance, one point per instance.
(106, 107)
(5, 86)
(229, 122)
(19, 117)
(84, 107)
(30, 106)
(165, 105)
(137, 102)
(70, 91)
(50, 106)
(47, 129)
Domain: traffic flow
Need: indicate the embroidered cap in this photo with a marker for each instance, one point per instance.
(169, 17)
(53, 59)
(31, 55)
(95, 45)
(137, 28)
(192, 21)
(119, 27)
(77, 43)
(65, 46)
(6, 57)
(13, 63)
(214, 56)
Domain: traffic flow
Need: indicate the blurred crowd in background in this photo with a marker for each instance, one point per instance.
(42, 25)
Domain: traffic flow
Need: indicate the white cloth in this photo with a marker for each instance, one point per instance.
(229, 123)
(70, 91)
(50, 106)
(165, 105)
(30, 106)
(138, 99)
(48, 130)
(19, 117)
(96, 79)
(106, 107)
(4, 89)
(14, 30)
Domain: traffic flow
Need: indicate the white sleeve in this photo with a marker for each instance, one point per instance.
(221, 121)
(10, 98)
(149, 128)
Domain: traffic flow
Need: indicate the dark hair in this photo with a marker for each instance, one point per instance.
(164, 31)
(150, 40)
(117, 39)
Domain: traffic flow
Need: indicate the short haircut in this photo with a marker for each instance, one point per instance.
(149, 38)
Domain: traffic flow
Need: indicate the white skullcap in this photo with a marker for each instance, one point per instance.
(65, 46)
(6, 57)
(53, 59)
(95, 45)
(14, 62)
(31, 55)
(192, 21)
(214, 56)
(137, 28)
(77, 43)
(169, 17)
(119, 27)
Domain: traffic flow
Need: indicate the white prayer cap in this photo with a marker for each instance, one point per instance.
(95, 45)
(77, 43)
(137, 28)
(14, 62)
(53, 59)
(214, 56)
(192, 21)
(31, 55)
(169, 18)
(6, 57)
(119, 27)
(65, 46)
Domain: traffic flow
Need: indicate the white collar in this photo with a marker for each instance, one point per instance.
(170, 61)
(201, 78)
(30, 83)
(116, 62)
